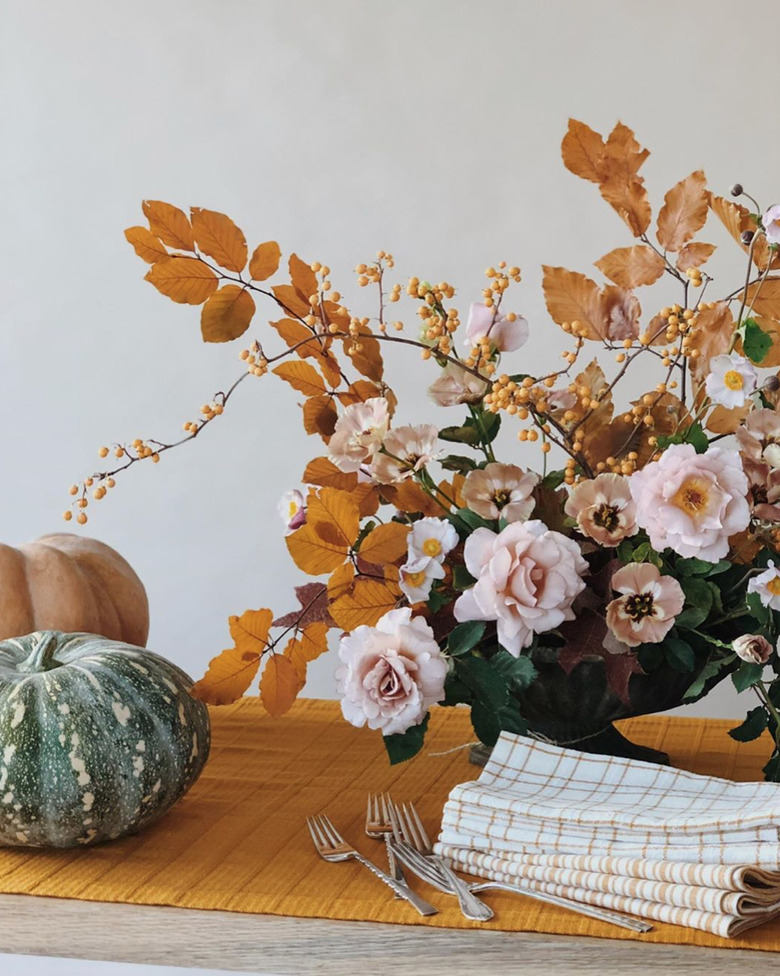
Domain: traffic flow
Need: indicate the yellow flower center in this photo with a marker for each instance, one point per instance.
(415, 579)
(692, 496)
(774, 586)
(431, 547)
(292, 509)
(733, 380)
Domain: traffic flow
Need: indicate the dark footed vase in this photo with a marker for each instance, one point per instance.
(577, 710)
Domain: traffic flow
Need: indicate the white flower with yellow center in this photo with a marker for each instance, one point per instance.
(767, 585)
(430, 540)
(731, 380)
(416, 579)
(292, 510)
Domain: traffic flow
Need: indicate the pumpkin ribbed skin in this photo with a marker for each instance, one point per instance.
(70, 583)
(97, 739)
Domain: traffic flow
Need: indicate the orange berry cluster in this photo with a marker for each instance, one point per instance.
(695, 276)
(99, 484)
(521, 399)
(438, 324)
(499, 279)
(626, 465)
(580, 333)
(256, 363)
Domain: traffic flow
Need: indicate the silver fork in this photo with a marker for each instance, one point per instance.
(331, 846)
(410, 839)
(379, 827)
(429, 871)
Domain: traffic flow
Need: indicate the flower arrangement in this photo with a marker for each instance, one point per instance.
(643, 558)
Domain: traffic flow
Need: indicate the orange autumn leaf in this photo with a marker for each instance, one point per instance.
(360, 391)
(313, 554)
(291, 301)
(302, 377)
(265, 260)
(341, 581)
(454, 490)
(302, 278)
(582, 149)
(311, 644)
(573, 297)
(320, 416)
(294, 333)
(763, 298)
(737, 219)
(724, 421)
(322, 471)
(335, 513)
(219, 237)
(368, 498)
(184, 280)
(630, 267)
(368, 358)
(409, 497)
(148, 247)
(694, 255)
(619, 182)
(279, 685)
(232, 672)
(169, 224)
(714, 329)
(684, 212)
(368, 601)
(385, 543)
(227, 314)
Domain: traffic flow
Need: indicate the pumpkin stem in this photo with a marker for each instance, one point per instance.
(42, 655)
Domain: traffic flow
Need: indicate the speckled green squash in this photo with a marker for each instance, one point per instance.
(97, 739)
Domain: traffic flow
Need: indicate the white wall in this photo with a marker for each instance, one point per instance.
(431, 129)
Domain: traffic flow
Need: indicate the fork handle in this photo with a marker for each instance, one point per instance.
(400, 888)
(471, 906)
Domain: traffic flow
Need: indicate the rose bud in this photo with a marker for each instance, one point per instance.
(737, 190)
(753, 648)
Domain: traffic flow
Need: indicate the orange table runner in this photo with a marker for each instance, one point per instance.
(238, 841)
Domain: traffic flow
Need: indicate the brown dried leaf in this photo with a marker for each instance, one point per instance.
(218, 236)
(694, 255)
(622, 312)
(573, 297)
(302, 377)
(714, 329)
(227, 314)
(737, 219)
(322, 471)
(582, 149)
(265, 260)
(723, 421)
(313, 598)
(684, 212)
(619, 182)
(409, 497)
(280, 684)
(368, 359)
(303, 279)
(320, 416)
(291, 301)
(764, 298)
(585, 638)
(184, 280)
(148, 247)
(169, 224)
(369, 600)
(385, 544)
(630, 267)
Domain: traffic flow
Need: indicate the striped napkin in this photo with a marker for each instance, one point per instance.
(632, 836)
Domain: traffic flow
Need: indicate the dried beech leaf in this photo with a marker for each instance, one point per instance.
(313, 554)
(763, 298)
(619, 182)
(367, 497)
(368, 601)
(232, 672)
(585, 638)
(322, 471)
(265, 260)
(622, 312)
(409, 497)
(341, 581)
(385, 544)
(714, 329)
(227, 314)
(630, 267)
(148, 247)
(684, 212)
(723, 421)
(320, 416)
(337, 510)
(582, 148)
(694, 255)
(219, 237)
(303, 279)
(313, 598)
(368, 358)
(737, 219)
(302, 377)
(279, 685)
(169, 224)
(573, 297)
(184, 280)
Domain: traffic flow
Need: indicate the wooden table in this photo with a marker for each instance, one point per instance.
(298, 947)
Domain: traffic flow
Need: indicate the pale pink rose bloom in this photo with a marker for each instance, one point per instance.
(604, 509)
(692, 503)
(505, 335)
(731, 380)
(759, 436)
(767, 585)
(763, 489)
(500, 491)
(771, 222)
(408, 449)
(457, 385)
(646, 610)
(359, 433)
(292, 509)
(752, 648)
(390, 674)
(527, 578)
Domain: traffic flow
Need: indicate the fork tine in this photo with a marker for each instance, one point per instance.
(421, 830)
(333, 835)
(370, 810)
(394, 822)
(386, 804)
(314, 833)
(408, 828)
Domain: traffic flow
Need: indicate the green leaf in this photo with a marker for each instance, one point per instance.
(679, 654)
(458, 462)
(465, 636)
(519, 671)
(755, 342)
(650, 656)
(473, 520)
(694, 435)
(489, 687)
(460, 435)
(554, 479)
(752, 727)
(455, 692)
(471, 433)
(404, 745)
(710, 670)
(700, 567)
(698, 601)
(461, 577)
(772, 769)
(436, 601)
(747, 675)
(485, 723)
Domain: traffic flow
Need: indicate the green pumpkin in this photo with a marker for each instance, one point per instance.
(97, 739)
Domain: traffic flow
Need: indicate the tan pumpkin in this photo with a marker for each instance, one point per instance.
(68, 583)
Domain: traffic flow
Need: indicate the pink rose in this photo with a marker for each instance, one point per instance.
(752, 648)
(527, 578)
(691, 502)
(645, 611)
(390, 674)
(505, 332)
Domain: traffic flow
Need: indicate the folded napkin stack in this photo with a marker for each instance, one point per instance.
(631, 836)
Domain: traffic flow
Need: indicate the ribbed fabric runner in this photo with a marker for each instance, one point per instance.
(238, 841)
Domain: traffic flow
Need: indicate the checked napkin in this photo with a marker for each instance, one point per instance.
(636, 837)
